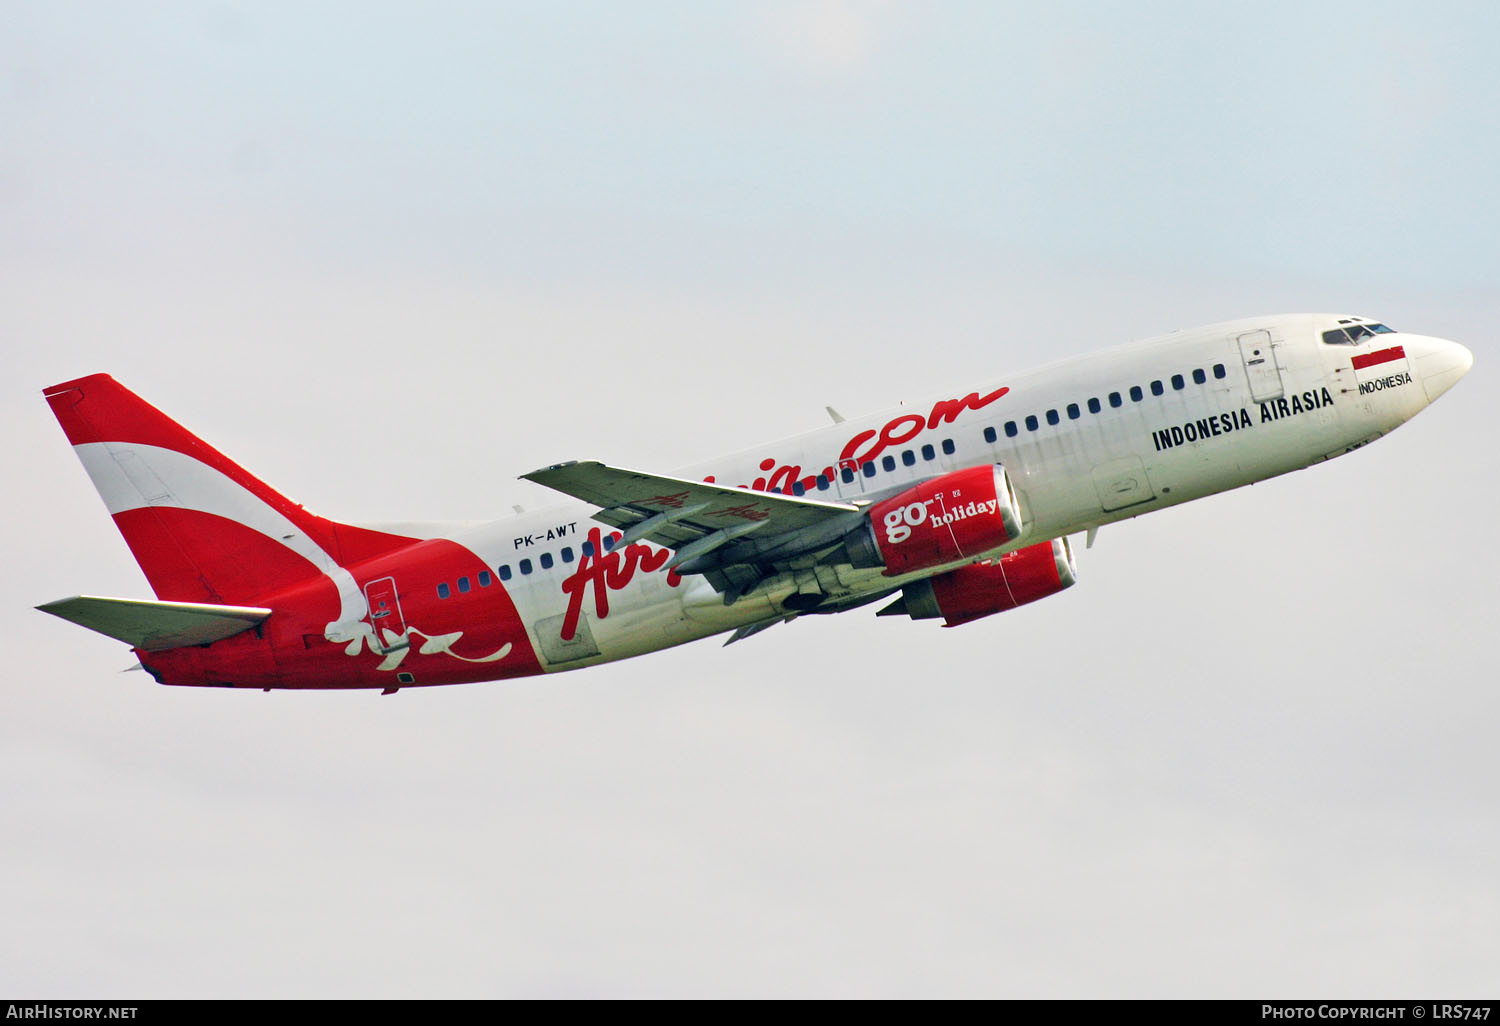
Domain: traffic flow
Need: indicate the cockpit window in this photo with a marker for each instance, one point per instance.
(1352, 334)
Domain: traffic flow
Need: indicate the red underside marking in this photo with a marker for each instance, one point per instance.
(291, 651)
(1374, 359)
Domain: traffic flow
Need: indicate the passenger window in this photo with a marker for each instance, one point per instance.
(1073, 412)
(1031, 422)
(948, 446)
(868, 468)
(1093, 405)
(822, 483)
(505, 571)
(1115, 400)
(888, 464)
(525, 566)
(1157, 388)
(1010, 429)
(443, 590)
(1219, 370)
(567, 554)
(588, 549)
(1136, 395)
(929, 453)
(990, 435)
(1199, 377)
(609, 544)
(546, 561)
(484, 578)
(463, 585)
(1053, 418)
(909, 458)
(1178, 383)
(798, 488)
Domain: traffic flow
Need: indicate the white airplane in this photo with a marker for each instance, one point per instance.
(953, 509)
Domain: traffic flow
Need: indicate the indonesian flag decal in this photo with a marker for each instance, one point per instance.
(1381, 370)
(1365, 361)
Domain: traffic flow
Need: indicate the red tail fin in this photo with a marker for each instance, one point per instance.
(201, 527)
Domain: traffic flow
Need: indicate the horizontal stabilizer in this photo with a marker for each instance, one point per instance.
(154, 626)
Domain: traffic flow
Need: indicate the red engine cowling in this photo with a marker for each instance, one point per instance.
(958, 515)
(979, 590)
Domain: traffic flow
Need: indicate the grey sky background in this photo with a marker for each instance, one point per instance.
(389, 259)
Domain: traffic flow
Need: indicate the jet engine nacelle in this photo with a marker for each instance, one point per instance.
(962, 514)
(981, 589)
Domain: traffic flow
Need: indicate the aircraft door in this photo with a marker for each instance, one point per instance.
(1259, 356)
(385, 611)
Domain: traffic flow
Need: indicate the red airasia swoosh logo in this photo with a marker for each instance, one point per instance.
(1375, 359)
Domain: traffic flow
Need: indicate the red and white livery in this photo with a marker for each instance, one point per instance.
(954, 509)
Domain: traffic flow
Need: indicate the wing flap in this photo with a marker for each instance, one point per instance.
(154, 626)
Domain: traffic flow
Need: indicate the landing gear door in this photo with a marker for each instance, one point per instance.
(385, 611)
(1258, 354)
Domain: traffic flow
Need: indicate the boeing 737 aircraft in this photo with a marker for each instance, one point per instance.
(952, 509)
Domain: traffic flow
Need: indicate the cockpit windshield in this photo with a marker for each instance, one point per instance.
(1351, 334)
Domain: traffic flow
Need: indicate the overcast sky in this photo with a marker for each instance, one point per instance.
(390, 257)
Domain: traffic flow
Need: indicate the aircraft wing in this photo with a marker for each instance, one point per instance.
(700, 519)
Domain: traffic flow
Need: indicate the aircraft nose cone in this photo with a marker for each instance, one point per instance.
(1440, 366)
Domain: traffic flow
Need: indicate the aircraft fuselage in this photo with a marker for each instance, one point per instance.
(1083, 442)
